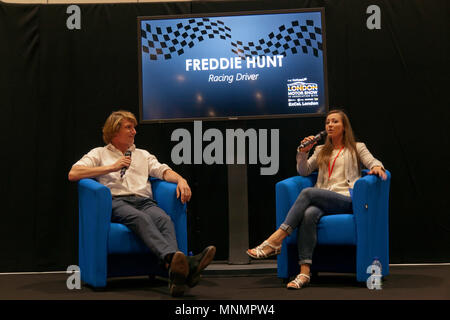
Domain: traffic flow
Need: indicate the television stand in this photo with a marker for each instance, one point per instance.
(237, 214)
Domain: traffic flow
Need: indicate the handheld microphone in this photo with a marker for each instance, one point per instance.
(317, 137)
(122, 171)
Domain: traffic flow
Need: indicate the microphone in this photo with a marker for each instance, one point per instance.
(317, 137)
(122, 171)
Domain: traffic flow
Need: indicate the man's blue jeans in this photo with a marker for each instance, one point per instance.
(310, 206)
(148, 221)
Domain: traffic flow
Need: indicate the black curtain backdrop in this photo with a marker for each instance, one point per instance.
(57, 87)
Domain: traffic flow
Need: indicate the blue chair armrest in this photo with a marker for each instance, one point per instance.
(94, 203)
(287, 191)
(165, 195)
(371, 212)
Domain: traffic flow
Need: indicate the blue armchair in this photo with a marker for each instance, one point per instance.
(346, 243)
(109, 249)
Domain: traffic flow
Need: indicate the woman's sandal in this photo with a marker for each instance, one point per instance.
(260, 254)
(298, 282)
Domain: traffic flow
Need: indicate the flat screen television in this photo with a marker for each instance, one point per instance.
(242, 65)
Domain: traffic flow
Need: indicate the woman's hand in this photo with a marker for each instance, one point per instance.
(309, 147)
(379, 171)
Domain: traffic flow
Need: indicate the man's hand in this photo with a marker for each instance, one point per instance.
(80, 172)
(124, 161)
(183, 191)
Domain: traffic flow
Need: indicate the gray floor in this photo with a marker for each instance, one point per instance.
(230, 282)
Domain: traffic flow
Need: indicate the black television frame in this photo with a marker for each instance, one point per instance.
(221, 14)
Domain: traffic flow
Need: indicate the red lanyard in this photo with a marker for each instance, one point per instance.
(331, 171)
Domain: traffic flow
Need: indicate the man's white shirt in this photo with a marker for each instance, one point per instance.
(135, 180)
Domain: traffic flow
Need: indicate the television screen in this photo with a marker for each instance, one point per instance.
(232, 66)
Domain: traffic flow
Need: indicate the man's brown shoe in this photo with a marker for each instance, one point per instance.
(178, 271)
(199, 262)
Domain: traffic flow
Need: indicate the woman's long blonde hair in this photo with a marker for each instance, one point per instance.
(112, 124)
(349, 142)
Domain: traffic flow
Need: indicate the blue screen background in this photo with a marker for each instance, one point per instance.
(171, 92)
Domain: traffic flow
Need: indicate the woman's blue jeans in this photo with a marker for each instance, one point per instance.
(310, 206)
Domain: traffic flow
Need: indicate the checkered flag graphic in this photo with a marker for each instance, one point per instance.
(293, 38)
(175, 40)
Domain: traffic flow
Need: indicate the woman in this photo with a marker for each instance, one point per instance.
(338, 162)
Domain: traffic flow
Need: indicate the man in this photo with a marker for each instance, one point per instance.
(125, 170)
